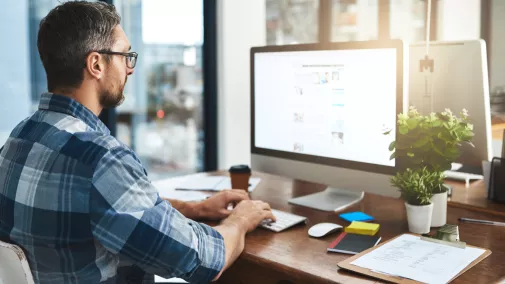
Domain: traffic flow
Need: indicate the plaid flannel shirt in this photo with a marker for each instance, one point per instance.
(80, 205)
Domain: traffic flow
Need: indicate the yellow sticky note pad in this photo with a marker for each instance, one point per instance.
(362, 228)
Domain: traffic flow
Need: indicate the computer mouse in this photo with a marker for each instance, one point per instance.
(322, 229)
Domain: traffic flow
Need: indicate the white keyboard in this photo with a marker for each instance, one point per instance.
(466, 177)
(462, 176)
(284, 220)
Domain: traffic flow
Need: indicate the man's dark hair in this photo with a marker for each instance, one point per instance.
(68, 34)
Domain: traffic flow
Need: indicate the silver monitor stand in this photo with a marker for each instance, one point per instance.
(331, 199)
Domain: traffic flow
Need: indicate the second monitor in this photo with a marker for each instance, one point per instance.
(318, 113)
(458, 79)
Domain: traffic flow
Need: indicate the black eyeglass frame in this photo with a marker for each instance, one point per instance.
(128, 56)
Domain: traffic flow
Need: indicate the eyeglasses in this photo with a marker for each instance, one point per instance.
(131, 57)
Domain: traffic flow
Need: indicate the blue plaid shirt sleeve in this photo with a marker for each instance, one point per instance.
(129, 219)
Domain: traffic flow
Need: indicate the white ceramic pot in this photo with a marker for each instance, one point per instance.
(419, 218)
(439, 217)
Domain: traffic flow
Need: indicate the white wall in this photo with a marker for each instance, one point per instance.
(14, 66)
(241, 25)
(458, 19)
(497, 44)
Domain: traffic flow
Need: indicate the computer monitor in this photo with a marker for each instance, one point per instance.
(458, 80)
(318, 113)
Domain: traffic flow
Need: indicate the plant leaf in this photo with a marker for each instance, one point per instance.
(427, 144)
(412, 123)
(445, 136)
(392, 146)
(421, 142)
(404, 129)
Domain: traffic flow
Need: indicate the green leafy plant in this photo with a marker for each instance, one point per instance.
(416, 185)
(432, 141)
(426, 146)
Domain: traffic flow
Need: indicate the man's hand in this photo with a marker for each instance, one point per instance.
(216, 206)
(248, 215)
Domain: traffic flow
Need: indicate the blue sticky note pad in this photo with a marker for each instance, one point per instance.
(356, 216)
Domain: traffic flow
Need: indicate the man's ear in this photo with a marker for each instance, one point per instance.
(95, 65)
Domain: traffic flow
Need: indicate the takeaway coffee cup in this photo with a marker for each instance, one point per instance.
(240, 175)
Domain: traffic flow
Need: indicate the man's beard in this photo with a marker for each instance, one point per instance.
(112, 98)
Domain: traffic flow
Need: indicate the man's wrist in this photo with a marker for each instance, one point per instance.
(191, 210)
(236, 224)
(194, 210)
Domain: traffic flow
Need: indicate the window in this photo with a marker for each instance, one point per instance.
(408, 20)
(22, 76)
(354, 20)
(291, 21)
(350, 20)
(161, 117)
(14, 67)
(38, 9)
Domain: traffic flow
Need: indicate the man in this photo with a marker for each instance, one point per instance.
(77, 200)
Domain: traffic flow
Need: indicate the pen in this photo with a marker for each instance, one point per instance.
(486, 222)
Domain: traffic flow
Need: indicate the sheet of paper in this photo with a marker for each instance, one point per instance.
(158, 279)
(213, 183)
(168, 184)
(201, 183)
(166, 189)
(226, 184)
(410, 257)
(185, 195)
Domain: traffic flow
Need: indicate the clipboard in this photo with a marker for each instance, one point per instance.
(346, 264)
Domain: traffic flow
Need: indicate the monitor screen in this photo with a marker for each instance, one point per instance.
(327, 103)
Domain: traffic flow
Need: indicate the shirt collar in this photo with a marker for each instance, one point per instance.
(67, 105)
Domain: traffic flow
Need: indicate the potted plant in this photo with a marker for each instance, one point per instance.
(430, 144)
(414, 188)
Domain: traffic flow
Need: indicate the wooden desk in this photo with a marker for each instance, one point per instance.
(294, 257)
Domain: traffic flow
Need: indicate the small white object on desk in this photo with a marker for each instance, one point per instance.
(322, 229)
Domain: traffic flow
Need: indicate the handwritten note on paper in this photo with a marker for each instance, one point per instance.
(410, 257)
